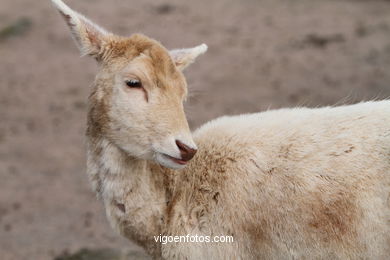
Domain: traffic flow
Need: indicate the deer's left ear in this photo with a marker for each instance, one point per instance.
(184, 57)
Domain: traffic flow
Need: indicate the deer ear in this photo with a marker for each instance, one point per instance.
(88, 36)
(184, 57)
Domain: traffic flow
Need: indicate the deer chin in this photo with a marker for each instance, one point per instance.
(170, 161)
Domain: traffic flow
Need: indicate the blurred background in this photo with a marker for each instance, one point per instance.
(263, 54)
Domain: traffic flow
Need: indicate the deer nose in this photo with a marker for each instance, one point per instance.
(186, 152)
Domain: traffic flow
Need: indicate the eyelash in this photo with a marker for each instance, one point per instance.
(133, 83)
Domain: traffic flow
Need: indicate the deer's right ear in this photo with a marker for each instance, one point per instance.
(88, 36)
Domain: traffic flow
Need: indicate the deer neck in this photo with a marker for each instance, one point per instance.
(134, 191)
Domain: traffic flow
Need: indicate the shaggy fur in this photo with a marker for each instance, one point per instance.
(293, 183)
(286, 184)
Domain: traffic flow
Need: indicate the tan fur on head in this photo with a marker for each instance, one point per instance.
(146, 122)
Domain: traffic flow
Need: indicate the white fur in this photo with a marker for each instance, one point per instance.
(316, 180)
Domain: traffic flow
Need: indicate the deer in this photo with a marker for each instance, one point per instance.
(293, 183)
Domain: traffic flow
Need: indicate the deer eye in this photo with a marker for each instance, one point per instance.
(133, 83)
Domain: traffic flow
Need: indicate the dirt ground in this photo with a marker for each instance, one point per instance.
(263, 54)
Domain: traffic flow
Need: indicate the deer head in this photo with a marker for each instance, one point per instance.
(137, 99)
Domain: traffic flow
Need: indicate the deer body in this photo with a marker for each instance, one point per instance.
(291, 183)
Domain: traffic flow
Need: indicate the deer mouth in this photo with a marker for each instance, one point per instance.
(175, 160)
(170, 161)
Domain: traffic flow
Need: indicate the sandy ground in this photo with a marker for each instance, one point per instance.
(262, 54)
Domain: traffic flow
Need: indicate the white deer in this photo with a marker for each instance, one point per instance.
(287, 184)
